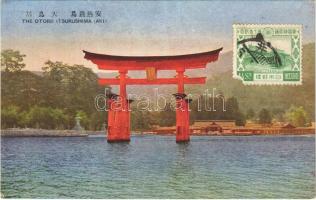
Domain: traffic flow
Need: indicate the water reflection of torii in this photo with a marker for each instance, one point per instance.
(261, 46)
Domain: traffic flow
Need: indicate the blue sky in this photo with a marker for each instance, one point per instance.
(141, 28)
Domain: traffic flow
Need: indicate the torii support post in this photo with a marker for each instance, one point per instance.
(111, 115)
(182, 111)
(119, 124)
(182, 118)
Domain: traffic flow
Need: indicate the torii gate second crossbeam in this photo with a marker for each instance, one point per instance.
(119, 119)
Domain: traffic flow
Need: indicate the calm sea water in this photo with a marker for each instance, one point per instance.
(157, 167)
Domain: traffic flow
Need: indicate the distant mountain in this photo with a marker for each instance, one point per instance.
(223, 64)
(275, 98)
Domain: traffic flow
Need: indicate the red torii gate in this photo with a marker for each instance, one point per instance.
(119, 118)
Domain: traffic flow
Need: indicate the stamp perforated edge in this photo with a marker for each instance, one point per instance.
(234, 73)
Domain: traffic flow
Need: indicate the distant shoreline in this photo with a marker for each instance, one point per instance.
(83, 133)
(238, 134)
(42, 133)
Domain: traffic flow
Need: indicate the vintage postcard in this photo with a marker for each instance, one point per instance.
(157, 99)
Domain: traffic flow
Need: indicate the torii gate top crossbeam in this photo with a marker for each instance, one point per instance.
(188, 61)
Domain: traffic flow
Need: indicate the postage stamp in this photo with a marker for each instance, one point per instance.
(266, 54)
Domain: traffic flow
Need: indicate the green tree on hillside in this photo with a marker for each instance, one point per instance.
(167, 117)
(72, 87)
(233, 112)
(46, 118)
(12, 61)
(141, 120)
(10, 116)
(264, 116)
(297, 116)
(50, 101)
(250, 113)
(23, 89)
(215, 110)
(84, 120)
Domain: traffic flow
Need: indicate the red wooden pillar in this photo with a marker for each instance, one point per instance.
(110, 104)
(182, 111)
(121, 122)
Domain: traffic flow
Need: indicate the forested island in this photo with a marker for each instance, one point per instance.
(53, 98)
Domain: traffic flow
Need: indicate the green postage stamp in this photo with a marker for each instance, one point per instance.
(266, 54)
